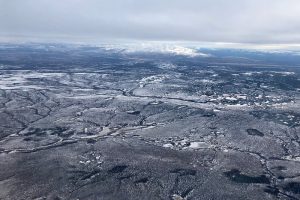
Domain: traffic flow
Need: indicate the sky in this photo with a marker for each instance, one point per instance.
(257, 22)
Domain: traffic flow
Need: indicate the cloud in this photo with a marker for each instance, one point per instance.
(231, 21)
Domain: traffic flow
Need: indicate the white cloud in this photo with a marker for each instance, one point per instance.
(233, 21)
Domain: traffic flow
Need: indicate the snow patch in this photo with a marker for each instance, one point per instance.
(157, 48)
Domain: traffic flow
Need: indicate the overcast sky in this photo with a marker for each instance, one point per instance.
(232, 21)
